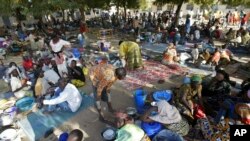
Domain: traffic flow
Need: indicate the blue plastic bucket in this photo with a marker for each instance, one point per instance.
(162, 95)
(151, 128)
(139, 97)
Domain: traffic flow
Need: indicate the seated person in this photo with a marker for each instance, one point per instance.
(21, 73)
(214, 60)
(18, 85)
(217, 33)
(127, 130)
(205, 56)
(188, 95)
(27, 64)
(216, 90)
(169, 116)
(238, 39)
(74, 135)
(41, 85)
(66, 98)
(245, 37)
(170, 55)
(226, 55)
(230, 35)
(236, 105)
(76, 75)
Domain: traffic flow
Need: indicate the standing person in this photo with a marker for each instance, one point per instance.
(228, 16)
(136, 24)
(103, 77)
(57, 45)
(244, 20)
(130, 53)
(83, 29)
(188, 24)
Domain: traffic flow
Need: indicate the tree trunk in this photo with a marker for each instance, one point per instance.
(63, 15)
(125, 13)
(118, 9)
(177, 12)
(82, 11)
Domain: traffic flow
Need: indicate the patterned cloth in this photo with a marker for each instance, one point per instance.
(102, 75)
(132, 54)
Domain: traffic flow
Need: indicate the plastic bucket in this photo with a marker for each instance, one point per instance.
(152, 128)
(162, 95)
(139, 97)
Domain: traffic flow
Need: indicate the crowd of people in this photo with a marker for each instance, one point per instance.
(52, 74)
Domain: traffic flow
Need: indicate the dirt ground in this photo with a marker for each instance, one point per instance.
(87, 120)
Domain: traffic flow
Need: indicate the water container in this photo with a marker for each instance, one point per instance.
(139, 97)
(162, 95)
(151, 128)
(76, 53)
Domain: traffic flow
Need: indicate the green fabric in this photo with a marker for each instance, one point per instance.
(196, 78)
(134, 58)
(130, 132)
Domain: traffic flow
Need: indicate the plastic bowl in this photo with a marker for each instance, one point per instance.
(25, 103)
(162, 95)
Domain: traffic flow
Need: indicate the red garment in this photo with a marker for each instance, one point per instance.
(27, 64)
(83, 28)
(246, 121)
(244, 20)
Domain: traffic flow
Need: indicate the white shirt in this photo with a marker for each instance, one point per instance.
(51, 76)
(59, 45)
(71, 95)
(16, 83)
(195, 53)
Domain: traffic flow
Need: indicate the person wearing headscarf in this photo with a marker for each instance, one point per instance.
(169, 55)
(188, 95)
(75, 74)
(130, 53)
(169, 116)
(18, 85)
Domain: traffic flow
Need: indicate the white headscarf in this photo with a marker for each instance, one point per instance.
(167, 114)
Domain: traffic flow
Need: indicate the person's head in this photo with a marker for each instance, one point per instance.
(195, 45)
(14, 72)
(41, 74)
(120, 42)
(62, 82)
(195, 81)
(120, 73)
(75, 135)
(220, 75)
(245, 15)
(73, 64)
(53, 62)
(217, 27)
(230, 30)
(55, 37)
(12, 64)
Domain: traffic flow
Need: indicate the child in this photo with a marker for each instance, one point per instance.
(195, 53)
(74, 135)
